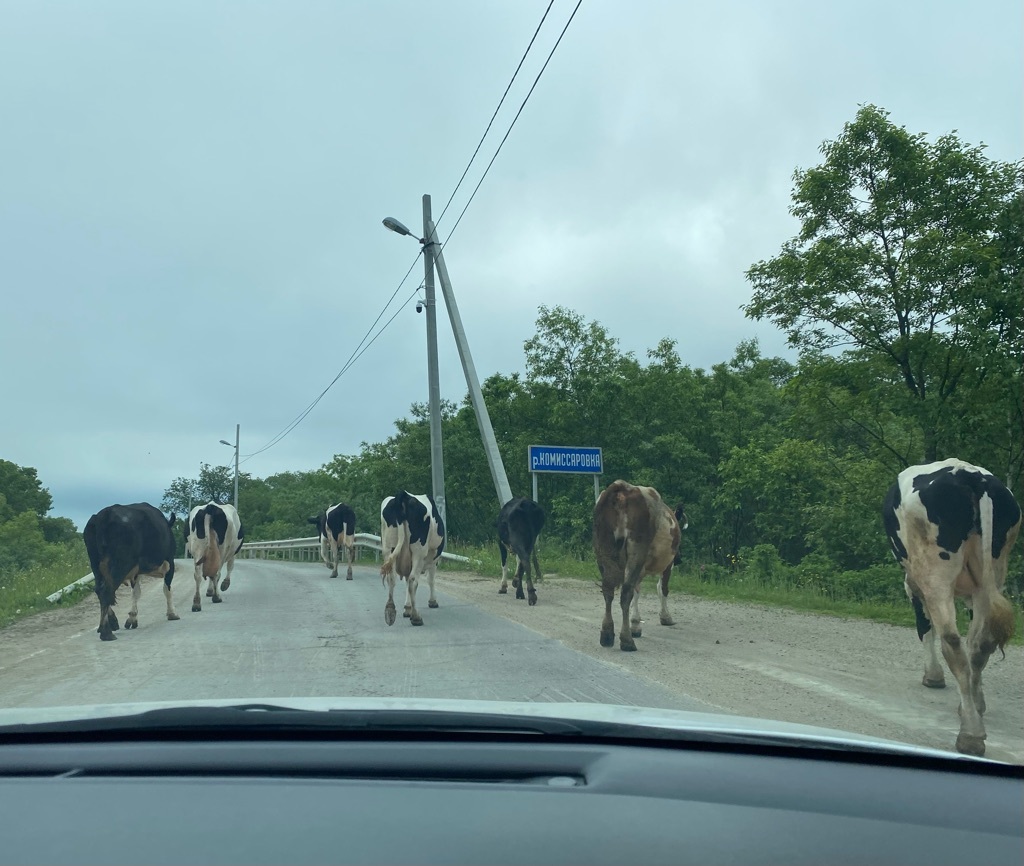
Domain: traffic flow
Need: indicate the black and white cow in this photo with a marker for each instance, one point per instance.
(124, 542)
(214, 537)
(952, 526)
(336, 526)
(519, 523)
(412, 540)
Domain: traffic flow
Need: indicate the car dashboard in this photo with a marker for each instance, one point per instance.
(313, 797)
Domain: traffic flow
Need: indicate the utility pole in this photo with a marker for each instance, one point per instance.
(433, 382)
(238, 428)
(483, 420)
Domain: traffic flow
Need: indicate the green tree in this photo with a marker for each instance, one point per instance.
(21, 490)
(905, 261)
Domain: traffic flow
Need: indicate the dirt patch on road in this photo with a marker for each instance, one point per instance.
(772, 663)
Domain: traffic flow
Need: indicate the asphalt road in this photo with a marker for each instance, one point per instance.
(288, 630)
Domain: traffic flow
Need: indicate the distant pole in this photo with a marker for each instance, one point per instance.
(483, 420)
(238, 428)
(433, 381)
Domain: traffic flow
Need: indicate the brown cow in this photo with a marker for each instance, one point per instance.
(635, 534)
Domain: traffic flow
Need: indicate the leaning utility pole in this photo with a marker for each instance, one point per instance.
(483, 420)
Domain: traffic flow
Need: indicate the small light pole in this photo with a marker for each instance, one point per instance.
(235, 446)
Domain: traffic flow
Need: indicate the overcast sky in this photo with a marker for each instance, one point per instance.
(191, 196)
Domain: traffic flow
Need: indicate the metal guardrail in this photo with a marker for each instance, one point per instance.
(295, 548)
(309, 548)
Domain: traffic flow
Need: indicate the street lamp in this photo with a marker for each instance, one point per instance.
(433, 384)
(235, 446)
(432, 257)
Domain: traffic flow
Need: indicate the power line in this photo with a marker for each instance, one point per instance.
(351, 359)
(514, 119)
(360, 348)
(496, 110)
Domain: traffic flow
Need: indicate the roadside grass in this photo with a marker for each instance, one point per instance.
(24, 592)
(741, 587)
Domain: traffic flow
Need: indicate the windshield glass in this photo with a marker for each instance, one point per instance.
(657, 355)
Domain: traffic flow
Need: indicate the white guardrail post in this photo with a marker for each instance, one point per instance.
(303, 545)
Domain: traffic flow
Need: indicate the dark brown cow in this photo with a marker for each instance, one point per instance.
(124, 542)
(635, 534)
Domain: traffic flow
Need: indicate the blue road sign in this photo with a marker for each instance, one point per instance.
(565, 458)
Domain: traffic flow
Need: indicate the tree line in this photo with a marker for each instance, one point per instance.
(902, 296)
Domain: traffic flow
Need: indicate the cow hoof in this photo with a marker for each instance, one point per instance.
(970, 744)
(389, 614)
(933, 684)
(113, 624)
(348, 576)
(405, 613)
(334, 574)
(197, 608)
(416, 620)
(607, 638)
(209, 592)
(107, 635)
(131, 623)
(224, 584)
(627, 647)
(519, 593)
(432, 603)
(667, 620)
(173, 616)
(533, 599)
(636, 632)
(502, 590)
(217, 599)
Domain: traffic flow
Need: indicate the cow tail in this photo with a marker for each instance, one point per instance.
(1001, 618)
(211, 561)
(403, 553)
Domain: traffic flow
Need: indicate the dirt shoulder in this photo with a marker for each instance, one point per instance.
(769, 662)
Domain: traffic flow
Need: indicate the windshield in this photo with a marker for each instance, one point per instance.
(657, 355)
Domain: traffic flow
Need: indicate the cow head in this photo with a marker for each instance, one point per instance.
(318, 522)
(681, 516)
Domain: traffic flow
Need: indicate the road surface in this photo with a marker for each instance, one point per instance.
(288, 630)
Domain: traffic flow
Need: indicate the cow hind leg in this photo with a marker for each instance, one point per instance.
(172, 614)
(411, 581)
(635, 623)
(197, 599)
(933, 676)
(389, 607)
(431, 572)
(626, 642)
(971, 738)
(350, 550)
(224, 584)
(664, 616)
(108, 623)
(503, 589)
(213, 590)
(132, 620)
(517, 581)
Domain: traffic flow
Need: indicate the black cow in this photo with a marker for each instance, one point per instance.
(412, 540)
(336, 526)
(123, 542)
(952, 526)
(519, 524)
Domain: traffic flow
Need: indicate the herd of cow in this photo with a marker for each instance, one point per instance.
(951, 526)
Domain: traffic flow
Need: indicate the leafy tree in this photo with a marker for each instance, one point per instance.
(21, 491)
(905, 260)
